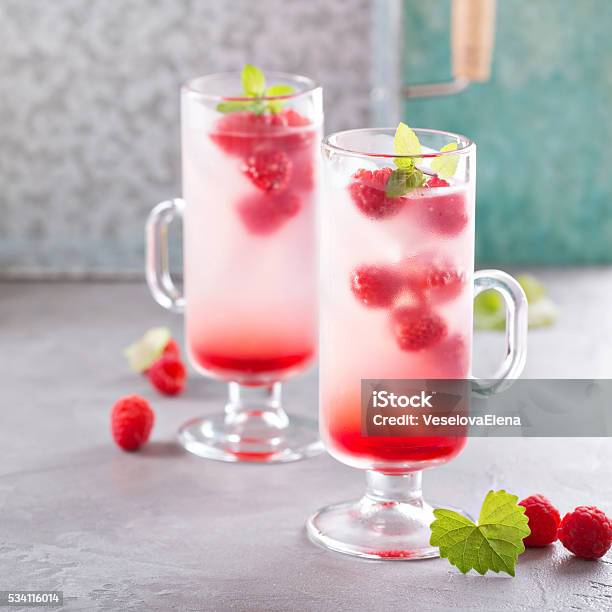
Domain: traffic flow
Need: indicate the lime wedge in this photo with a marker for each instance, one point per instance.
(142, 353)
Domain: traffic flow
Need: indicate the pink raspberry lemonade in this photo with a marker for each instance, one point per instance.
(250, 150)
(250, 184)
(397, 287)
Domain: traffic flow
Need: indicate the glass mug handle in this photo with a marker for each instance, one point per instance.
(515, 303)
(160, 282)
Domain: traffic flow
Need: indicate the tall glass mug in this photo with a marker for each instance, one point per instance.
(250, 300)
(396, 303)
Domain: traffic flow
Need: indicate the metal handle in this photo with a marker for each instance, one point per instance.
(515, 302)
(473, 33)
(157, 268)
(472, 41)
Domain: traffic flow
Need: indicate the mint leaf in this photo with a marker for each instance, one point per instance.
(276, 106)
(279, 90)
(494, 544)
(403, 180)
(254, 86)
(445, 166)
(405, 142)
(233, 106)
(253, 81)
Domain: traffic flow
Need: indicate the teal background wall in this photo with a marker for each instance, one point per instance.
(543, 125)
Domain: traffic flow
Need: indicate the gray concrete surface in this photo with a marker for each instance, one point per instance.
(164, 530)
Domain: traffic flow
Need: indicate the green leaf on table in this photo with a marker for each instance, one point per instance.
(533, 288)
(493, 544)
(445, 166)
(542, 313)
(489, 311)
(403, 180)
(253, 81)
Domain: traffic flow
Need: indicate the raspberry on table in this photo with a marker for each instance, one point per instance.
(417, 328)
(268, 170)
(264, 213)
(172, 348)
(367, 191)
(543, 518)
(168, 375)
(587, 532)
(131, 422)
(375, 286)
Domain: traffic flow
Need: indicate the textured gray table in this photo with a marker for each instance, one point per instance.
(162, 529)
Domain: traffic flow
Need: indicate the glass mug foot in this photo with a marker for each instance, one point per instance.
(390, 522)
(254, 428)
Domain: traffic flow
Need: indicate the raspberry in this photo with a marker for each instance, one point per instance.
(436, 181)
(444, 214)
(450, 358)
(304, 168)
(543, 518)
(587, 532)
(172, 348)
(375, 286)
(240, 133)
(417, 328)
(168, 375)
(368, 193)
(295, 138)
(263, 214)
(268, 170)
(131, 422)
(292, 118)
(438, 278)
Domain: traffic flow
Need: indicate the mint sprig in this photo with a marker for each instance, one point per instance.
(493, 544)
(403, 180)
(406, 176)
(254, 86)
(445, 166)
